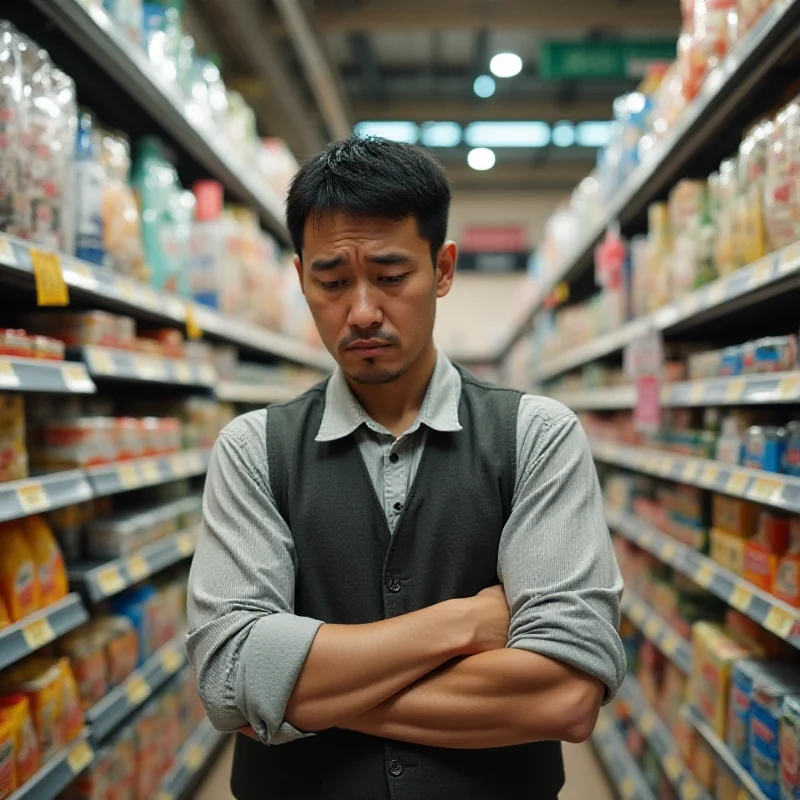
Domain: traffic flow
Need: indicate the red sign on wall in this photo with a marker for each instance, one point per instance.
(494, 239)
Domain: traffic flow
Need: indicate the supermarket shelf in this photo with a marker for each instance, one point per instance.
(661, 742)
(769, 612)
(35, 631)
(103, 45)
(193, 757)
(139, 472)
(623, 771)
(674, 647)
(255, 393)
(107, 362)
(119, 293)
(41, 375)
(766, 276)
(745, 68)
(42, 493)
(58, 772)
(123, 700)
(724, 755)
(768, 488)
(739, 390)
(113, 577)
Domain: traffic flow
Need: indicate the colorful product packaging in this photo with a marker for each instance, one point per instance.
(19, 581)
(26, 746)
(789, 744)
(787, 578)
(763, 551)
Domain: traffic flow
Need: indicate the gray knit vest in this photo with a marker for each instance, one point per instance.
(352, 570)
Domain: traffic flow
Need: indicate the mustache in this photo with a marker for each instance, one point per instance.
(381, 336)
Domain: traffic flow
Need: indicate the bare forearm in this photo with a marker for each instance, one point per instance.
(494, 699)
(353, 668)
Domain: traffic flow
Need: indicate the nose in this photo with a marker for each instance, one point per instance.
(365, 310)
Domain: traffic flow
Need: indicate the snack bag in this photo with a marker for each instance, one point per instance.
(8, 770)
(5, 617)
(26, 745)
(71, 711)
(53, 581)
(19, 581)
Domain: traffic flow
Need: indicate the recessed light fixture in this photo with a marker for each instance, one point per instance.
(506, 65)
(563, 134)
(396, 130)
(481, 158)
(529, 133)
(441, 134)
(484, 86)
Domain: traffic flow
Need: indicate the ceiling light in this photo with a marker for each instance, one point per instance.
(481, 158)
(396, 130)
(506, 65)
(563, 134)
(441, 134)
(507, 134)
(484, 86)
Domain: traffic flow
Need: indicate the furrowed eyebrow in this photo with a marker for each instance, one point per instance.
(390, 259)
(323, 264)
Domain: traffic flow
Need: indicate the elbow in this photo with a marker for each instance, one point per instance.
(580, 710)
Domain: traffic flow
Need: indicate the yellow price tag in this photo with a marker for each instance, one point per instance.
(110, 581)
(75, 378)
(647, 538)
(8, 378)
(183, 371)
(150, 472)
(717, 292)
(709, 475)
(704, 575)
(735, 389)
(7, 252)
(670, 643)
(32, 498)
(101, 362)
(38, 633)
(741, 596)
(80, 756)
(652, 628)
(690, 789)
(737, 483)
(665, 465)
(790, 258)
(765, 489)
(51, 288)
(789, 387)
(647, 722)
(171, 660)
(193, 329)
(194, 463)
(138, 568)
(137, 691)
(129, 476)
(194, 757)
(637, 613)
(186, 544)
(178, 465)
(668, 551)
(672, 766)
(697, 393)
(627, 788)
(780, 622)
(690, 472)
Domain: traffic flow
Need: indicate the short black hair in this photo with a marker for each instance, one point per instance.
(371, 177)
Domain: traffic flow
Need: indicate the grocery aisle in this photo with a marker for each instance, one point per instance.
(585, 777)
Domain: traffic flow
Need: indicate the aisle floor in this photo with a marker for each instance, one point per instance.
(585, 777)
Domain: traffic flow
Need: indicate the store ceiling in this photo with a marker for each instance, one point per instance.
(416, 61)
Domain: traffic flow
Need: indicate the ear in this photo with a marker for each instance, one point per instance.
(446, 267)
(298, 265)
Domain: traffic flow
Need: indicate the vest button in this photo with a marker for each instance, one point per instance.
(395, 769)
(394, 458)
(398, 506)
(393, 585)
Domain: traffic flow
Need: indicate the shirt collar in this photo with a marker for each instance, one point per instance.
(439, 411)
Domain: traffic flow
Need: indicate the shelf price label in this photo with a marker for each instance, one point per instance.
(150, 472)
(137, 691)
(7, 252)
(129, 476)
(101, 362)
(32, 498)
(138, 568)
(669, 551)
(690, 789)
(652, 628)
(672, 766)
(709, 475)
(765, 489)
(186, 544)
(780, 622)
(75, 378)
(737, 483)
(670, 643)
(80, 756)
(628, 788)
(762, 271)
(704, 575)
(790, 258)
(38, 633)
(717, 292)
(171, 660)
(8, 378)
(195, 756)
(193, 329)
(690, 472)
(697, 393)
(789, 387)
(741, 596)
(183, 371)
(647, 722)
(735, 390)
(110, 581)
(51, 288)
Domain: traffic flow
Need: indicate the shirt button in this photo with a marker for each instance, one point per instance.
(393, 585)
(394, 458)
(398, 506)
(395, 769)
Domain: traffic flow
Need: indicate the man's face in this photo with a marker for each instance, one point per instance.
(372, 291)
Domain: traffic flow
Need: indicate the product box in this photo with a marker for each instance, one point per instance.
(704, 764)
(734, 516)
(787, 579)
(728, 549)
(789, 744)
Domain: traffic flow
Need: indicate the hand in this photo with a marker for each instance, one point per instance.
(490, 619)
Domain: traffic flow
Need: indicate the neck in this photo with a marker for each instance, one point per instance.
(395, 405)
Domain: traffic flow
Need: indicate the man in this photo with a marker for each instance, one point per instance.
(404, 583)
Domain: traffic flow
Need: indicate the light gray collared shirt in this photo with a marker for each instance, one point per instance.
(555, 558)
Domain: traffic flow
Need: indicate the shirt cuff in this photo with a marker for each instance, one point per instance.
(271, 659)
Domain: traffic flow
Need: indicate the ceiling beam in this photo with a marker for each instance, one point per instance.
(565, 15)
(370, 73)
(319, 72)
(429, 108)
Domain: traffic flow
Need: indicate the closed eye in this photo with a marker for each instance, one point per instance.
(332, 284)
(392, 280)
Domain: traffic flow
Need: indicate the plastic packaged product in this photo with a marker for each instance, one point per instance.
(11, 128)
(84, 649)
(128, 15)
(96, 782)
(8, 767)
(732, 361)
(18, 573)
(772, 354)
(71, 711)
(768, 694)
(764, 447)
(752, 171)
(47, 348)
(139, 606)
(121, 646)
(41, 681)
(791, 457)
(787, 577)
(77, 329)
(161, 37)
(763, 551)
(789, 743)
(80, 442)
(53, 581)
(14, 343)
(124, 744)
(146, 728)
(88, 178)
(781, 192)
(26, 747)
(13, 450)
(729, 444)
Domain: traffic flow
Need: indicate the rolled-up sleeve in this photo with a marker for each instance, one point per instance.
(556, 561)
(244, 641)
